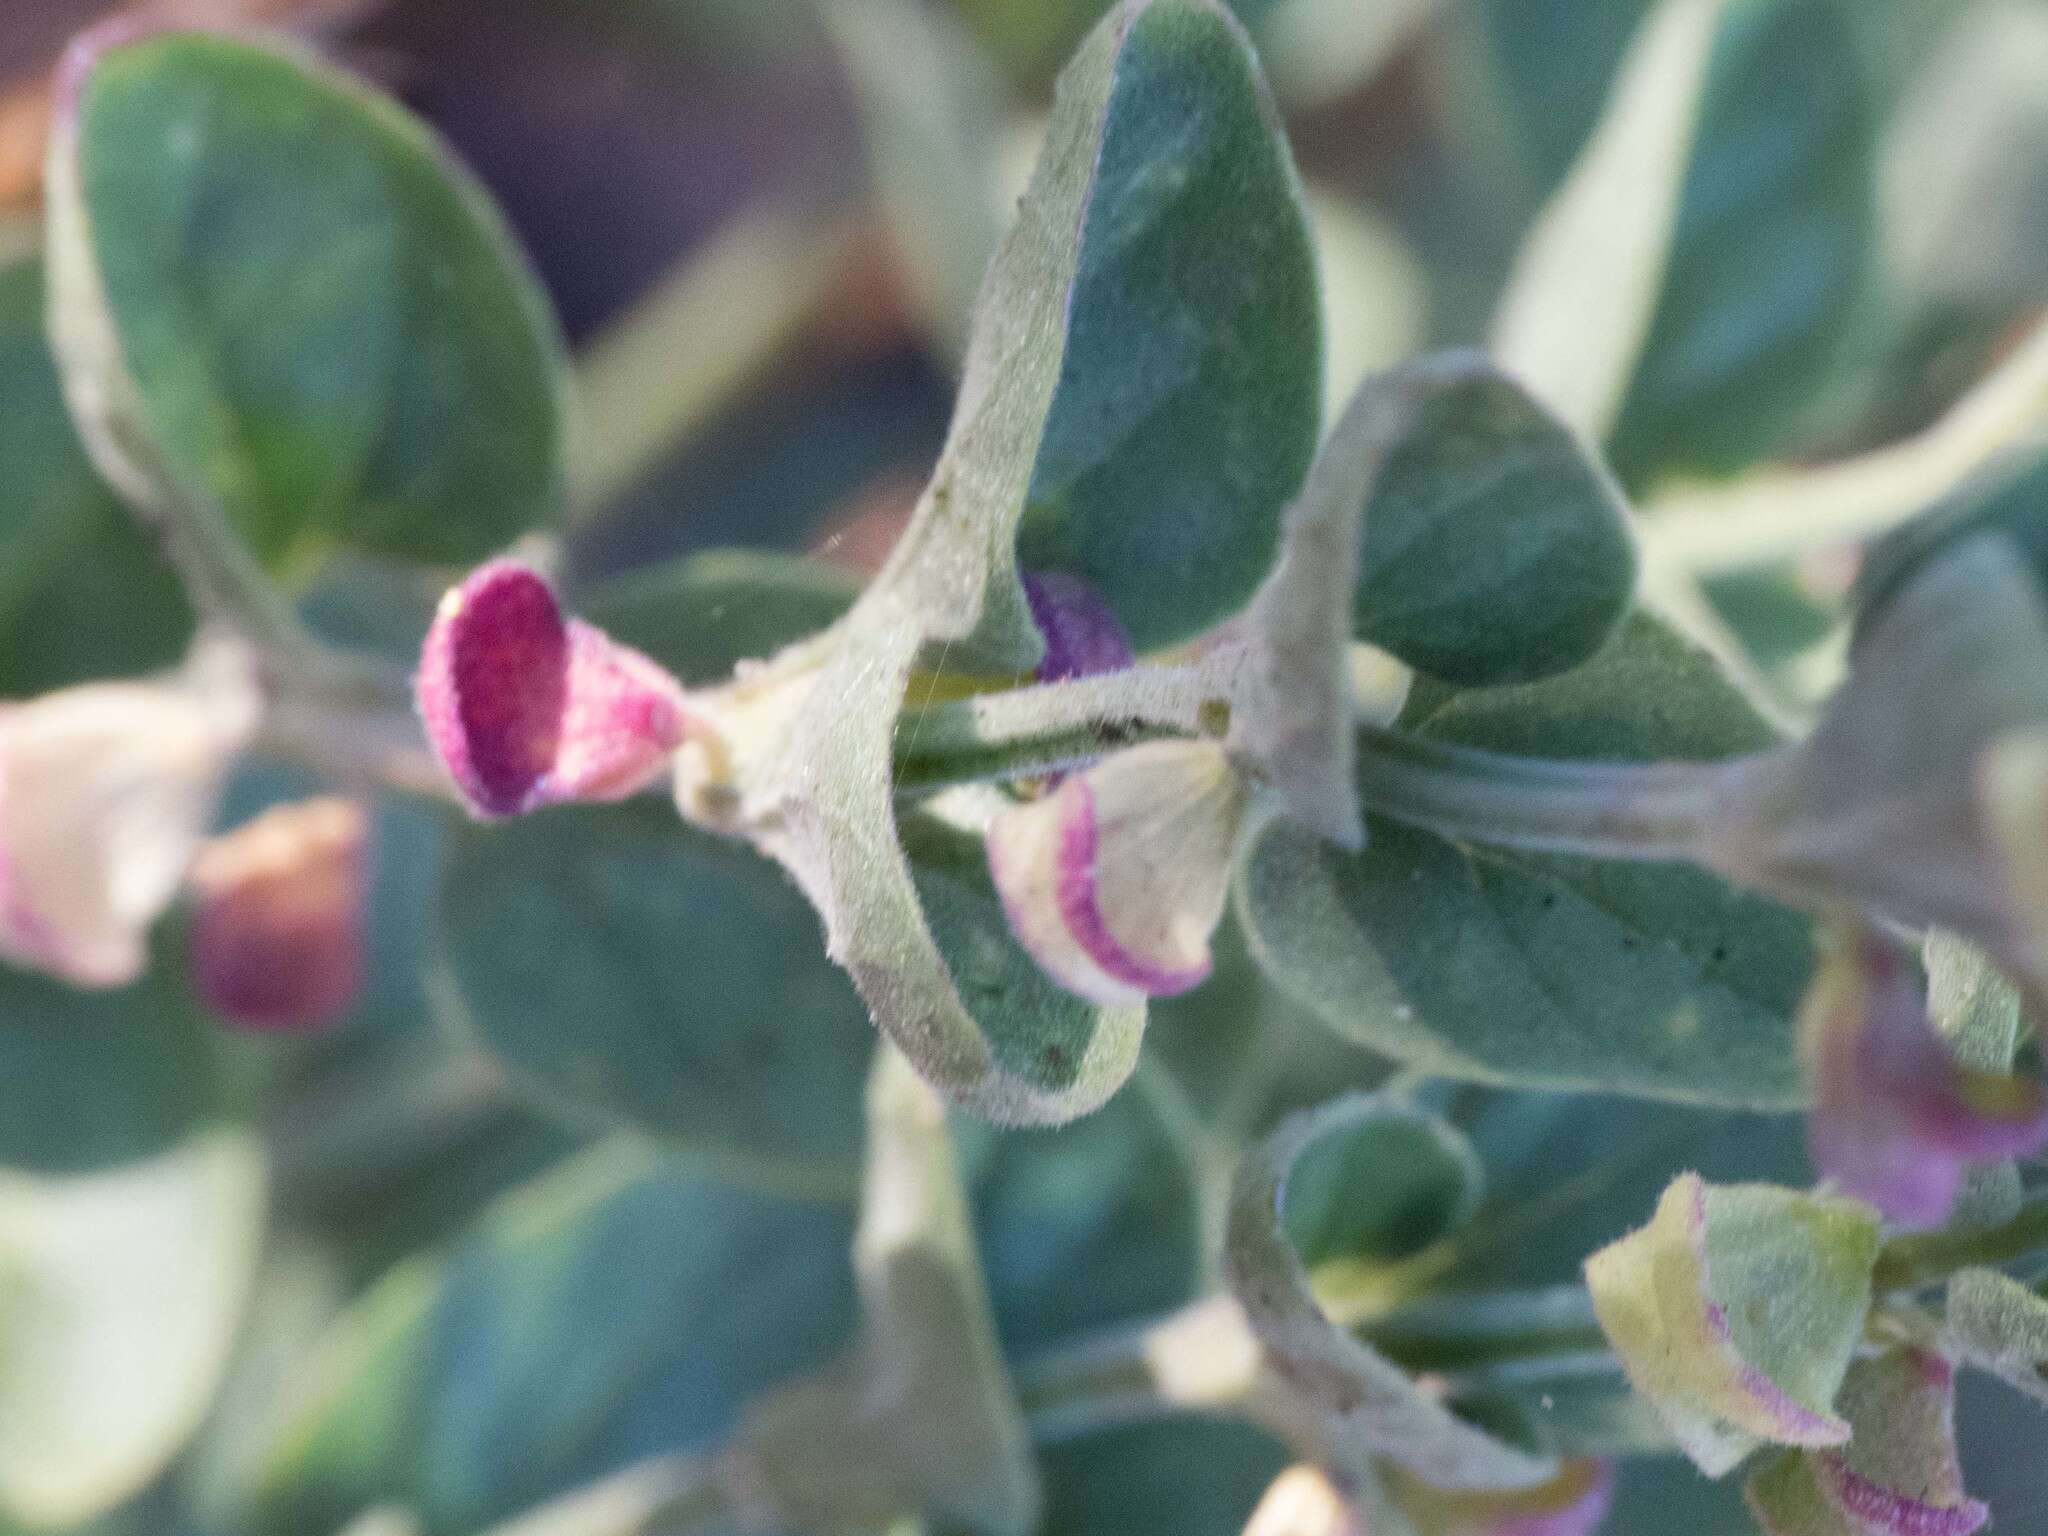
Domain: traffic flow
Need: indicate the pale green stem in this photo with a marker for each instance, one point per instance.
(1924, 1258)
(1595, 809)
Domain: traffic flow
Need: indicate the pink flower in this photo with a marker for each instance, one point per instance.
(105, 792)
(1896, 1119)
(277, 923)
(1115, 880)
(526, 708)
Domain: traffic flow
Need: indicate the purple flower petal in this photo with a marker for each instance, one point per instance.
(1896, 1119)
(1082, 635)
(526, 708)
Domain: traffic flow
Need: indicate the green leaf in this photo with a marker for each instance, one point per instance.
(125, 1289)
(1172, 1477)
(1092, 1227)
(2000, 1326)
(703, 615)
(277, 300)
(83, 592)
(1736, 1312)
(1978, 1012)
(1496, 548)
(1345, 1404)
(654, 976)
(96, 1079)
(1773, 247)
(614, 1309)
(1383, 1186)
(1500, 966)
(1188, 396)
(1159, 121)
(921, 1418)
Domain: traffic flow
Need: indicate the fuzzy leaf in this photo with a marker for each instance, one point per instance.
(1897, 1476)
(125, 1294)
(2000, 1326)
(276, 300)
(1736, 1311)
(1496, 548)
(703, 1012)
(1161, 115)
(1500, 966)
(614, 1308)
(1190, 356)
(83, 592)
(1336, 1398)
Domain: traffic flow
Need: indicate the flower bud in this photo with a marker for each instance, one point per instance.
(1304, 1501)
(1896, 1119)
(1897, 1476)
(1115, 880)
(277, 922)
(1735, 1313)
(105, 791)
(526, 708)
(1574, 1503)
(1082, 636)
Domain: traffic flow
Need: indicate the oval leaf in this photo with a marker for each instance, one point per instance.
(278, 301)
(1500, 966)
(1496, 548)
(657, 977)
(610, 1310)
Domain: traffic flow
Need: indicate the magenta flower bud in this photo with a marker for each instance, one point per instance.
(277, 919)
(1115, 881)
(527, 708)
(1574, 1503)
(1082, 636)
(1896, 1119)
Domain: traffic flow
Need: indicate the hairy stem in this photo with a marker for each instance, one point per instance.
(1916, 1259)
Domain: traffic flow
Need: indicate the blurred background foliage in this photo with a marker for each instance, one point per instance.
(762, 222)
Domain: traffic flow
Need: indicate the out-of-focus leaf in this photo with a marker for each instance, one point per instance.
(1173, 1477)
(2000, 1326)
(124, 1291)
(1584, 290)
(1496, 549)
(1554, 65)
(83, 592)
(930, 114)
(276, 300)
(95, 1079)
(921, 1417)
(1965, 199)
(703, 615)
(1499, 966)
(2005, 498)
(659, 978)
(1773, 246)
(1094, 1226)
(611, 1310)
